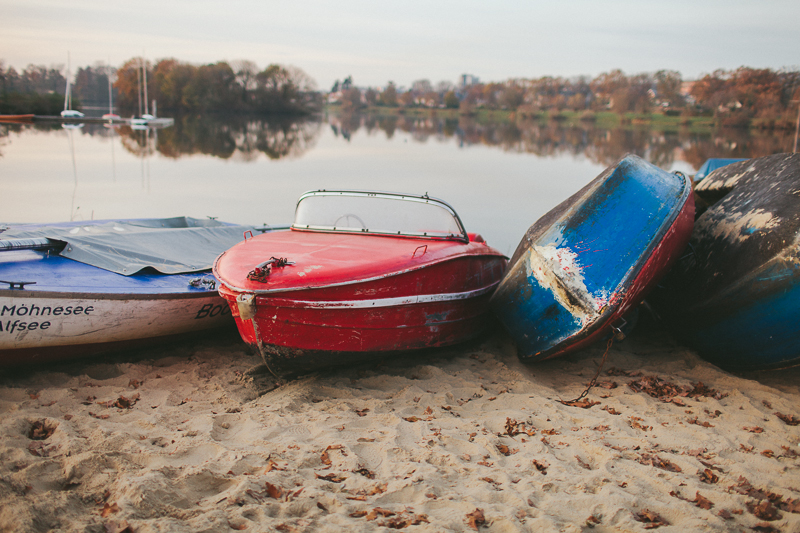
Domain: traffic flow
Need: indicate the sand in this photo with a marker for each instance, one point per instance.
(196, 438)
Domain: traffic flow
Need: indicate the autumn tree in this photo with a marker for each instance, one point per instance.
(668, 88)
(388, 97)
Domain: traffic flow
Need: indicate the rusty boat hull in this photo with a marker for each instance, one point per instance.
(584, 265)
(351, 298)
(735, 298)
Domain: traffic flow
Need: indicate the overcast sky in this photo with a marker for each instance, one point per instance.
(378, 41)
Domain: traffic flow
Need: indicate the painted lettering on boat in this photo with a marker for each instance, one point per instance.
(45, 310)
(18, 325)
(210, 310)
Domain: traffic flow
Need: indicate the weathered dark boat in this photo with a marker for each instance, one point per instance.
(736, 297)
(361, 275)
(589, 261)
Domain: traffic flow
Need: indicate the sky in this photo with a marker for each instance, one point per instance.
(439, 40)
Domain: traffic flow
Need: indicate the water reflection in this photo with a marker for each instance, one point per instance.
(554, 138)
(244, 138)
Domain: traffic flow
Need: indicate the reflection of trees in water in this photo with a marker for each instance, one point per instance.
(225, 137)
(554, 138)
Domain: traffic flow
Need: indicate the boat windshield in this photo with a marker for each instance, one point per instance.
(378, 213)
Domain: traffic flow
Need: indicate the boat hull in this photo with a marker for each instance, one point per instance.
(583, 266)
(734, 299)
(340, 322)
(41, 327)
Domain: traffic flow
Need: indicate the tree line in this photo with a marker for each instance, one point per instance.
(238, 87)
(743, 97)
(228, 87)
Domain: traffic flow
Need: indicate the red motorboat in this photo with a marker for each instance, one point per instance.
(359, 275)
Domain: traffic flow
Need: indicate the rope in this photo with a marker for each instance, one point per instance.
(597, 374)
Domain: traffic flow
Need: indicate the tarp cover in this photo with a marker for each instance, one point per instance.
(170, 246)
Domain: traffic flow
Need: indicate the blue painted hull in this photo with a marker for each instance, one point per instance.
(736, 298)
(590, 260)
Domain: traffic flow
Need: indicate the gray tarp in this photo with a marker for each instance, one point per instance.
(170, 246)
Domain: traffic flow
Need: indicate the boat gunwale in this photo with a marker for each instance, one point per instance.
(414, 268)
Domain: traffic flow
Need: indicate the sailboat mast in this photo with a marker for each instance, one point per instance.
(139, 85)
(108, 75)
(144, 71)
(67, 102)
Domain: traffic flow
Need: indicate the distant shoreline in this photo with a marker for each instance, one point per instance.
(602, 119)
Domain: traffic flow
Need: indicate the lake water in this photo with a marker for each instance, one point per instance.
(499, 177)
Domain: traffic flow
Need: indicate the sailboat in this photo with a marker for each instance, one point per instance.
(68, 111)
(110, 116)
(143, 118)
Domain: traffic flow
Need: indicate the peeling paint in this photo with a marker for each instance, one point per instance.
(737, 227)
(559, 271)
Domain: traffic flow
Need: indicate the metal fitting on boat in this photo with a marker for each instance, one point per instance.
(246, 303)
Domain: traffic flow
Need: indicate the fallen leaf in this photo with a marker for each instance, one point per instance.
(411, 419)
(476, 519)
(583, 404)
(362, 412)
(701, 502)
(650, 519)
(358, 514)
(611, 410)
(369, 474)
(663, 464)
(541, 467)
(764, 510)
(273, 491)
(41, 430)
(502, 448)
(707, 476)
(335, 478)
(108, 509)
(584, 464)
(754, 429)
(768, 453)
(789, 419)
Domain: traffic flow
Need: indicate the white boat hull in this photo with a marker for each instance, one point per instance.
(41, 325)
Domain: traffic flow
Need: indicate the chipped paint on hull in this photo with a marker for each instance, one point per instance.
(559, 271)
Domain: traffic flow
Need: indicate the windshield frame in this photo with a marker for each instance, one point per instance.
(462, 236)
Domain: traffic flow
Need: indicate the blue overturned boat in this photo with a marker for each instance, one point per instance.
(77, 288)
(736, 297)
(585, 264)
(713, 164)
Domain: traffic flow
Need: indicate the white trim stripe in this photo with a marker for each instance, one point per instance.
(383, 302)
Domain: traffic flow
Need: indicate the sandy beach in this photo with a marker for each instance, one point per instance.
(196, 438)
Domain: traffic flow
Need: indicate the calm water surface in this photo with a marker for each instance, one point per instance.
(500, 178)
